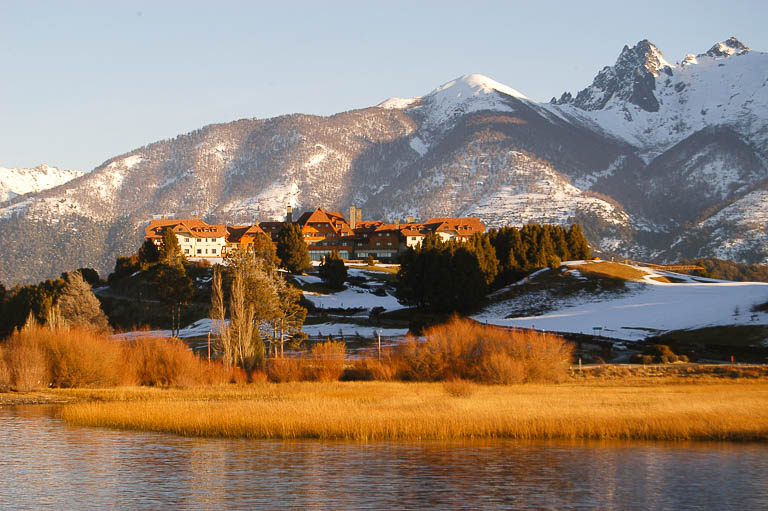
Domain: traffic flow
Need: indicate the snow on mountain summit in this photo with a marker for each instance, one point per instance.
(474, 85)
(730, 46)
(15, 182)
(456, 91)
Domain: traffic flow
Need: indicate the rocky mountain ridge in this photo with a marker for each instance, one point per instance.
(658, 161)
(15, 182)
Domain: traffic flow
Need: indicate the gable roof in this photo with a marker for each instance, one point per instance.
(190, 226)
(236, 232)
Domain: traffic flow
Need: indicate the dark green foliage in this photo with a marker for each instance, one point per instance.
(486, 257)
(292, 250)
(455, 276)
(170, 252)
(149, 253)
(442, 276)
(522, 251)
(174, 287)
(124, 266)
(90, 275)
(729, 270)
(36, 300)
(577, 243)
(333, 271)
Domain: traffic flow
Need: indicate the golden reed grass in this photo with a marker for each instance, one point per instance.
(367, 411)
(39, 357)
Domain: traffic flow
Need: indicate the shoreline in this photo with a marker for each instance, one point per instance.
(730, 410)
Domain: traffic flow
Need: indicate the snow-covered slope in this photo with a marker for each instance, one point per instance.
(727, 85)
(15, 182)
(649, 308)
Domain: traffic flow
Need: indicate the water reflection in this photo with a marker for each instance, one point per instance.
(46, 464)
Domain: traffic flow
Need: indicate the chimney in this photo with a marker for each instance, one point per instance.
(352, 218)
(410, 219)
(359, 215)
(289, 214)
(397, 224)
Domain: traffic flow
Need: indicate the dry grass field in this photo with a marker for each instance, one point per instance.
(368, 411)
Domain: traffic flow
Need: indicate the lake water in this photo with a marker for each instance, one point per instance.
(45, 464)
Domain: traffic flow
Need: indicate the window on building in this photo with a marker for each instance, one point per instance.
(389, 243)
(199, 250)
(186, 251)
(186, 239)
(378, 243)
(213, 251)
(379, 235)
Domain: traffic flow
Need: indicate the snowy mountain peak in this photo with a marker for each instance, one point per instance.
(15, 182)
(632, 79)
(458, 90)
(644, 55)
(730, 46)
(474, 85)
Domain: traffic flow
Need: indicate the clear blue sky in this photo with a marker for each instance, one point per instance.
(84, 81)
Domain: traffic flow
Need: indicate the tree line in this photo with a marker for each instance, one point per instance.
(64, 301)
(455, 276)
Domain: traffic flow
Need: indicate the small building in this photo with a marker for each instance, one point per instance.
(241, 237)
(196, 238)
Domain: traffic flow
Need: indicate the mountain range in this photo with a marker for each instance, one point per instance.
(657, 161)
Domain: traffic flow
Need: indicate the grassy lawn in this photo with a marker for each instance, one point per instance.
(614, 270)
(730, 335)
(368, 411)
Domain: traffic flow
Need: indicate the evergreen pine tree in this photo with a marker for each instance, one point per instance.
(148, 252)
(78, 306)
(333, 271)
(170, 252)
(292, 250)
(175, 288)
(577, 243)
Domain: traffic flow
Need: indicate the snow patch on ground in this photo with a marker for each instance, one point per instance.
(419, 146)
(350, 329)
(650, 308)
(352, 298)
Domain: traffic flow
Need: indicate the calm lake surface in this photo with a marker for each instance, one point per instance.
(47, 464)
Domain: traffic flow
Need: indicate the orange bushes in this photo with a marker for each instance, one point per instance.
(169, 362)
(285, 369)
(325, 363)
(468, 350)
(38, 357)
(458, 350)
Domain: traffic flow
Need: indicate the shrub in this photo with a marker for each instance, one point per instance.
(26, 364)
(658, 354)
(285, 369)
(368, 369)
(162, 362)
(502, 369)
(5, 373)
(79, 357)
(459, 388)
(465, 349)
(327, 362)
